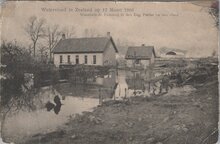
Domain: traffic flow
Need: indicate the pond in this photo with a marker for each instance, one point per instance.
(75, 99)
(26, 123)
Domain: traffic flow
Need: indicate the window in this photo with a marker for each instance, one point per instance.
(137, 61)
(77, 59)
(68, 58)
(61, 59)
(94, 59)
(86, 59)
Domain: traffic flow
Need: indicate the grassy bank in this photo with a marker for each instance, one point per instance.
(184, 115)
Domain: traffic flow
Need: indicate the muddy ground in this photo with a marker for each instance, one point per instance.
(185, 115)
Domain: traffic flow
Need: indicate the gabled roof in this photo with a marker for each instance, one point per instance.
(84, 45)
(140, 52)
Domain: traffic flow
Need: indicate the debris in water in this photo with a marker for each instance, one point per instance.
(73, 136)
(49, 106)
(56, 107)
(150, 140)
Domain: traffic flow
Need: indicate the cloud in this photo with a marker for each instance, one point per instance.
(180, 25)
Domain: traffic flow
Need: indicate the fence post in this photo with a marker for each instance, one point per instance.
(100, 97)
(114, 93)
(119, 90)
(125, 93)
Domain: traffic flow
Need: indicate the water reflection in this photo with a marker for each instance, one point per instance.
(133, 83)
(118, 84)
(68, 99)
(26, 123)
(104, 85)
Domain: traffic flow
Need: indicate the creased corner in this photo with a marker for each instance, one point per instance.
(7, 9)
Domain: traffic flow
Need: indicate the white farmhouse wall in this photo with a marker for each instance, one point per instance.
(99, 58)
(129, 63)
(109, 55)
(56, 59)
(152, 59)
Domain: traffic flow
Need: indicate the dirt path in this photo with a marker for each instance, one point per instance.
(183, 118)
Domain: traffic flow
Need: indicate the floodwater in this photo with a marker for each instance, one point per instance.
(26, 123)
(116, 85)
(130, 82)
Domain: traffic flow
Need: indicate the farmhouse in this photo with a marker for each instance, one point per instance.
(98, 51)
(142, 56)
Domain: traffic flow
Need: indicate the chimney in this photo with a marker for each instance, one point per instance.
(108, 34)
(143, 45)
(63, 36)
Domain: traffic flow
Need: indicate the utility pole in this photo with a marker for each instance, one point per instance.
(100, 97)
(134, 71)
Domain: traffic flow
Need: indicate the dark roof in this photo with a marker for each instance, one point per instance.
(83, 45)
(140, 52)
(171, 53)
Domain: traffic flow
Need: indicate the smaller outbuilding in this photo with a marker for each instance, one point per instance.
(140, 56)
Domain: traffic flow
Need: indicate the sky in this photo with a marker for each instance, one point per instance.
(179, 25)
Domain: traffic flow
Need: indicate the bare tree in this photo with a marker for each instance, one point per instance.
(86, 33)
(93, 32)
(35, 30)
(17, 61)
(90, 33)
(53, 34)
(43, 51)
(214, 53)
(69, 31)
(214, 11)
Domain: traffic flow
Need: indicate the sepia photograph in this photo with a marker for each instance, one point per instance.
(109, 72)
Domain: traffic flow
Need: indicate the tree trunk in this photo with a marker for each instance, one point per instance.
(34, 46)
(50, 55)
(3, 125)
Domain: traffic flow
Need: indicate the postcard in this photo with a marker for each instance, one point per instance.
(109, 72)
